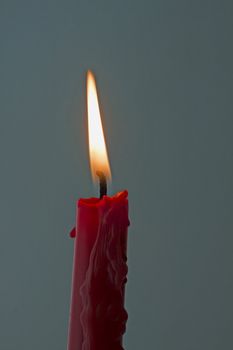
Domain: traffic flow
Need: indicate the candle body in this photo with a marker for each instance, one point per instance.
(97, 314)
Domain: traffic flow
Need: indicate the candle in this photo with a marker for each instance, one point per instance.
(97, 314)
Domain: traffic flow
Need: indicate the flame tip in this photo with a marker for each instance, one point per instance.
(90, 74)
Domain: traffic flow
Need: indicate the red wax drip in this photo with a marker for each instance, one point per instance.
(73, 232)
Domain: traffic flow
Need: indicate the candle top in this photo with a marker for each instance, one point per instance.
(97, 202)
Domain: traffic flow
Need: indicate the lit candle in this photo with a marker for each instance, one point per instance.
(97, 313)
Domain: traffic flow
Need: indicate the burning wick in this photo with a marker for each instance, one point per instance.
(103, 183)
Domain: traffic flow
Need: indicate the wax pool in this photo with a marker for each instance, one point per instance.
(97, 313)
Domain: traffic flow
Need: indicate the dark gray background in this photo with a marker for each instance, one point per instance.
(164, 71)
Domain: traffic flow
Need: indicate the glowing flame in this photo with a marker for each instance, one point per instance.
(97, 147)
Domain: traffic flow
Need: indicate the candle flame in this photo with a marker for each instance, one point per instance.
(97, 148)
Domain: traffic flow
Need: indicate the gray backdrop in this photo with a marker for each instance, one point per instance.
(164, 71)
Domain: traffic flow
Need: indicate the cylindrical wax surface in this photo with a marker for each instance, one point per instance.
(97, 315)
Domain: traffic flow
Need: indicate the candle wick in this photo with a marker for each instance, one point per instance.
(103, 183)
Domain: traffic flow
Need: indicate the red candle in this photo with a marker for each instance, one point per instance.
(97, 314)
